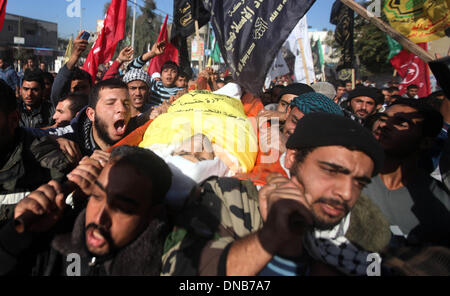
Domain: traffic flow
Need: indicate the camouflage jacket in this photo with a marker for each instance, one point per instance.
(227, 209)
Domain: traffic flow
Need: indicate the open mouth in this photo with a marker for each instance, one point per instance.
(120, 127)
(94, 238)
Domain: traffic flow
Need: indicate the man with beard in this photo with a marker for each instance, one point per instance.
(416, 206)
(362, 102)
(236, 230)
(120, 232)
(105, 121)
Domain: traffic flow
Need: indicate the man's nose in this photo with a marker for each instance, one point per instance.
(102, 217)
(343, 188)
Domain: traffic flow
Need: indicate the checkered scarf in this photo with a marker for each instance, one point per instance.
(333, 248)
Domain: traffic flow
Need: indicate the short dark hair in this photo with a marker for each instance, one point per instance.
(80, 74)
(412, 86)
(78, 100)
(33, 76)
(432, 119)
(148, 164)
(300, 156)
(108, 83)
(392, 89)
(183, 74)
(170, 65)
(340, 83)
(8, 101)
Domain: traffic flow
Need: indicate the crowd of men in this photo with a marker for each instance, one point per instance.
(358, 171)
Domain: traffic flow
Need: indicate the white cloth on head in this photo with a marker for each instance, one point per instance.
(199, 171)
(230, 89)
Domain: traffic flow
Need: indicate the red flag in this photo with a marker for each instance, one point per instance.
(112, 32)
(413, 71)
(170, 52)
(2, 12)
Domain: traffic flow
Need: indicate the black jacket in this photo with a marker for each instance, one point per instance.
(52, 253)
(32, 162)
(41, 116)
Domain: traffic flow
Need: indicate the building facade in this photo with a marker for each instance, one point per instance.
(22, 38)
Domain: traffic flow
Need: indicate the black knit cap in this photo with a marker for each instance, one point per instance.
(323, 129)
(296, 89)
(364, 91)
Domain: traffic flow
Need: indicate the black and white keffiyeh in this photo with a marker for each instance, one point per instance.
(333, 248)
(137, 74)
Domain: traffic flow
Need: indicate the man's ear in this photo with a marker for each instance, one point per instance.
(90, 112)
(289, 159)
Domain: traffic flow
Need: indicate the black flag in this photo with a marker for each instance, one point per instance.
(185, 13)
(343, 17)
(250, 34)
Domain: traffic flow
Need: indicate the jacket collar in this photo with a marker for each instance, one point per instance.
(140, 257)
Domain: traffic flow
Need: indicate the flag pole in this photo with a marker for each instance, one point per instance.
(300, 43)
(134, 24)
(405, 42)
(353, 78)
(197, 33)
(207, 46)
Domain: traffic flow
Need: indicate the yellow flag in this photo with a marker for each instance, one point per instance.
(220, 118)
(68, 51)
(419, 20)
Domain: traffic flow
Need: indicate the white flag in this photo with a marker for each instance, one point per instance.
(278, 68)
(297, 36)
(74, 8)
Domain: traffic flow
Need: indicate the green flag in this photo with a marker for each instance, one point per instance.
(394, 47)
(319, 44)
(215, 53)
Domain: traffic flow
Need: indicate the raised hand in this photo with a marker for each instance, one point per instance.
(159, 48)
(79, 46)
(125, 55)
(86, 173)
(47, 203)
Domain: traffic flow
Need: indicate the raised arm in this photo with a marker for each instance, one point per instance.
(139, 62)
(61, 84)
(125, 55)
